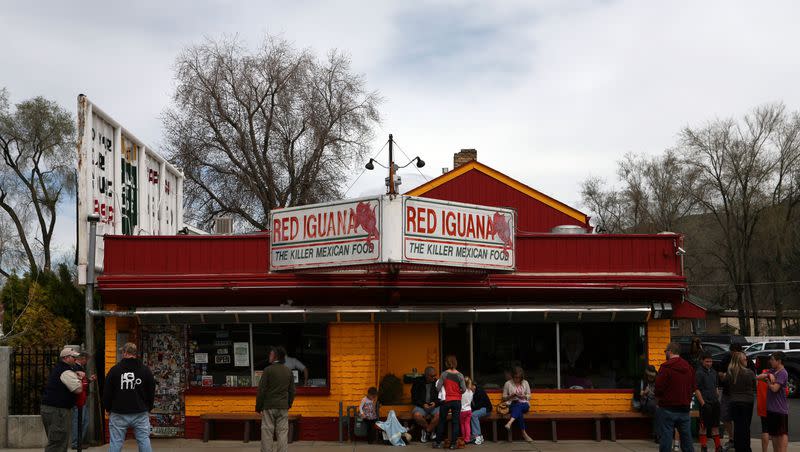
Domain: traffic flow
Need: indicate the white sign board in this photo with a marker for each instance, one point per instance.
(400, 229)
(455, 234)
(325, 235)
(129, 186)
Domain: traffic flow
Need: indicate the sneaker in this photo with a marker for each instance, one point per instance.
(676, 448)
(423, 437)
(432, 436)
(479, 440)
(437, 445)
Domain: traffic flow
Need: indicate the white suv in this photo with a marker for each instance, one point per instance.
(773, 346)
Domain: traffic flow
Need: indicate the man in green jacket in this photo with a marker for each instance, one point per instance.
(275, 397)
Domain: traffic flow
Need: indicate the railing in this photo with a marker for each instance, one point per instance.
(30, 368)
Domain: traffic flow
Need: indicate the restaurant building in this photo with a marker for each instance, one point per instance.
(582, 313)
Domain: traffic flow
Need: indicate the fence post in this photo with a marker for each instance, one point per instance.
(5, 393)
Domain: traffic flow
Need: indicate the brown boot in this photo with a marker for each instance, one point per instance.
(460, 444)
(446, 443)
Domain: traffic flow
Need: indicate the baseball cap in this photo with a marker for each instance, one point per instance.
(68, 352)
(129, 348)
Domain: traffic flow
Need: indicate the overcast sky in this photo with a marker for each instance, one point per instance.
(547, 92)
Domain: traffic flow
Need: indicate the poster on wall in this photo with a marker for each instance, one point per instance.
(241, 354)
(164, 352)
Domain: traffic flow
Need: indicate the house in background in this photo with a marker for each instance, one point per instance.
(711, 324)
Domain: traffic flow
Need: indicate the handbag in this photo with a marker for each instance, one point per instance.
(502, 408)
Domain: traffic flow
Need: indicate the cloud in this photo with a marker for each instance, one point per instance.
(548, 92)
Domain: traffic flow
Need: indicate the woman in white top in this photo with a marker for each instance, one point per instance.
(517, 392)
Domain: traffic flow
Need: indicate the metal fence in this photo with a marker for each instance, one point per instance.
(30, 368)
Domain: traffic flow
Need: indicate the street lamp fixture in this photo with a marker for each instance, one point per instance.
(393, 180)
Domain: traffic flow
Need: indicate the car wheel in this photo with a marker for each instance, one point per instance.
(792, 383)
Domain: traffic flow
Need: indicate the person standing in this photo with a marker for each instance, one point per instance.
(58, 399)
(517, 392)
(761, 406)
(707, 397)
(741, 383)
(368, 413)
(452, 382)
(295, 364)
(466, 410)
(128, 396)
(777, 403)
(675, 384)
(481, 406)
(80, 365)
(276, 392)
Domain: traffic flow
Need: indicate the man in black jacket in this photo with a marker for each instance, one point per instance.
(426, 402)
(128, 397)
(58, 399)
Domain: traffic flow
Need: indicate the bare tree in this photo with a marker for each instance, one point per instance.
(656, 193)
(36, 174)
(744, 170)
(273, 127)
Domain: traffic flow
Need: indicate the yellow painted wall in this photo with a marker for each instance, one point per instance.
(405, 346)
(658, 337)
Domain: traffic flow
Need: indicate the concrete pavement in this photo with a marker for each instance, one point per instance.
(168, 445)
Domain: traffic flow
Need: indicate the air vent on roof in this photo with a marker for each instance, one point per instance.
(223, 225)
(568, 229)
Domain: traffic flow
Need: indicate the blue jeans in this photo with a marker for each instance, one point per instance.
(118, 425)
(668, 421)
(475, 422)
(517, 411)
(84, 430)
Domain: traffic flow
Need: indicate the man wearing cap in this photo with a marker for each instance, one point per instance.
(58, 399)
(128, 396)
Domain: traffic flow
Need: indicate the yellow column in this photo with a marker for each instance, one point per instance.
(657, 339)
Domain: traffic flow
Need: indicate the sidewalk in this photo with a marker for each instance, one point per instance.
(167, 445)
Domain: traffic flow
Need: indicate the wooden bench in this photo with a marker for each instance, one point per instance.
(553, 418)
(612, 419)
(248, 419)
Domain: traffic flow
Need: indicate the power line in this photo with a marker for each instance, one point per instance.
(364, 169)
(409, 159)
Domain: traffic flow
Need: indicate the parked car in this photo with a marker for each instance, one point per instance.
(773, 346)
(792, 365)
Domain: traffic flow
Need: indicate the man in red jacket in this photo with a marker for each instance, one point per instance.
(675, 385)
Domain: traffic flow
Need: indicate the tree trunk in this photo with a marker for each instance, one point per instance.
(744, 322)
(753, 306)
(778, 303)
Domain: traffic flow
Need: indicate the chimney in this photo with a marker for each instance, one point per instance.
(464, 157)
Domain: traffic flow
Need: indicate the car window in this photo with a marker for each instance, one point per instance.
(794, 345)
(713, 349)
(774, 346)
(755, 347)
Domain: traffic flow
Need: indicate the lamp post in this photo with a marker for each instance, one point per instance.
(391, 186)
(89, 329)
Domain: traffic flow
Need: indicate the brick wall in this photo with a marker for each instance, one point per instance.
(658, 336)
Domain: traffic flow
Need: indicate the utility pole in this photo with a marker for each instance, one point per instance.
(392, 190)
(91, 400)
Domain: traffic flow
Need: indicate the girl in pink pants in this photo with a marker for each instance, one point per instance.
(466, 410)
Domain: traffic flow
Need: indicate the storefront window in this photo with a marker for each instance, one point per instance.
(235, 355)
(219, 355)
(498, 348)
(600, 356)
(306, 347)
